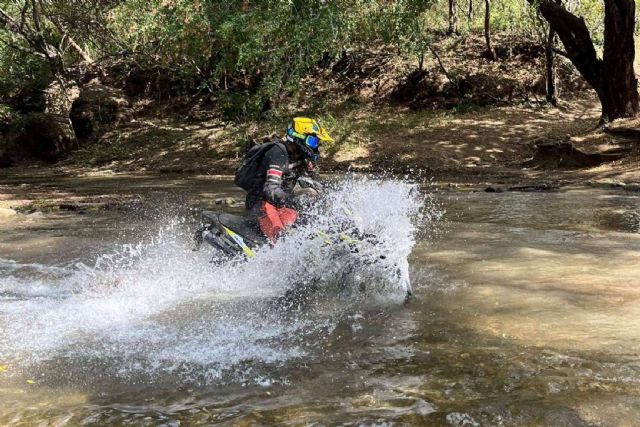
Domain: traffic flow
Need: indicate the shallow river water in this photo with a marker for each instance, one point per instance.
(526, 313)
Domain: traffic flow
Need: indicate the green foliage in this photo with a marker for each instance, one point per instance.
(6, 115)
(407, 24)
(250, 54)
(41, 39)
(20, 72)
(519, 17)
(238, 46)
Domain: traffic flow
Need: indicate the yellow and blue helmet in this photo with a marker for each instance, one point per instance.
(307, 134)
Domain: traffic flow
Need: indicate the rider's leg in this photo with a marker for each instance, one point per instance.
(270, 222)
(288, 216)
(274, 220)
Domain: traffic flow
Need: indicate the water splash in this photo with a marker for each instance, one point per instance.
(156, 311)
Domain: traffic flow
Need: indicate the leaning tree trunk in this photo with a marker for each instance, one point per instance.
(453, 17)
(491, 53)
(550, 67)
(612, 77)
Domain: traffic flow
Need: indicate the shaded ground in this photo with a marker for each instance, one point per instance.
(478, 147)
(461, 143)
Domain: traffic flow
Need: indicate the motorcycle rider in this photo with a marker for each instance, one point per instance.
(271, 197)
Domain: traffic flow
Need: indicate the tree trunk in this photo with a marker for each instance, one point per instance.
(619, 86)
(470, 13)
(453, 17)
(491, 53)
(612, 77)
(552, 97)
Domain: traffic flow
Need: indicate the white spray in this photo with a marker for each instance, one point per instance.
(158, 309)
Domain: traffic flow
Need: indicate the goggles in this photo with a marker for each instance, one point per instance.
(311, 141)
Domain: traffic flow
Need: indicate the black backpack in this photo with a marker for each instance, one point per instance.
(247, 173)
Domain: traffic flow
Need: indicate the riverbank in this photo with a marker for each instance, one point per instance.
(489, 129)
(476, 148)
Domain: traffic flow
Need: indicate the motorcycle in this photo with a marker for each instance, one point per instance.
(234, 235)
(238, 238)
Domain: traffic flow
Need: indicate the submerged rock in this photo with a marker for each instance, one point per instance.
(459, 419)
(229, 201)
(7, 212)
(632, 186)
(494, 189)
(543, 186)
(610, 183)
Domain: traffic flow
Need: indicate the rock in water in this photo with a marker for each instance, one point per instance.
(494, 189)
(7, 212)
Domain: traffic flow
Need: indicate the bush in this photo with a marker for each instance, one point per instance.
(22, 79)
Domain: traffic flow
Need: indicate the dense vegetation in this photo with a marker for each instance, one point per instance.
(249, 57)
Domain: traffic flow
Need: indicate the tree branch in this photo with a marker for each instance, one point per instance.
(9, 22)
(22, 49)
(35, 40)
(23, 16)
(36, 16)
(65, 36)
(444, 70)
(575, 37)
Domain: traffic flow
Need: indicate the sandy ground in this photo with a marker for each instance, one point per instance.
(496, 137)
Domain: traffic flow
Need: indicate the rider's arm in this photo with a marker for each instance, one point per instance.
(276, 161)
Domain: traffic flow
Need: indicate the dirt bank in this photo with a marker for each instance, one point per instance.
(478, 146)
(480, 131)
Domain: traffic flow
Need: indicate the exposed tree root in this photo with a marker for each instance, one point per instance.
(558, 155)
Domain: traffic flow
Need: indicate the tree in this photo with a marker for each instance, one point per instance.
(550, 67)
(26, 33)
(491, 53)
(612, 76)
(453, 17)
(406, 25)
(44, 29)
(48, 29)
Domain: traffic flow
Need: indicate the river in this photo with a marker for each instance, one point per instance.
(525, 313)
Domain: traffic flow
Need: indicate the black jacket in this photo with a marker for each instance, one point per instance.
(277, 174)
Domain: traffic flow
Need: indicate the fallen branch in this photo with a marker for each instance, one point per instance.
(442, 67)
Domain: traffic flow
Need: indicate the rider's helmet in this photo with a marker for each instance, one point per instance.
(307, 134)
